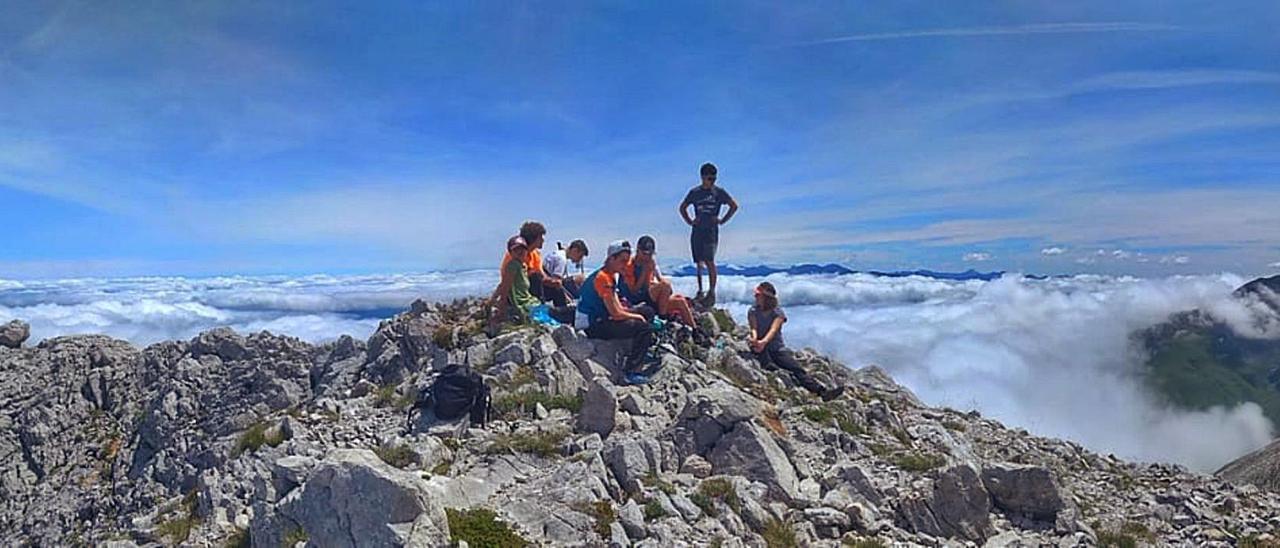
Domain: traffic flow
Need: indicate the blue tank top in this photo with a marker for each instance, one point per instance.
(590, 302)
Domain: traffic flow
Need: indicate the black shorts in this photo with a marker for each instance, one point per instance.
(703, 243)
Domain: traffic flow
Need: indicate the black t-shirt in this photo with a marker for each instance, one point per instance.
(706, 205)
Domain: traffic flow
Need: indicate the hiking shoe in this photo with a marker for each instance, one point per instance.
(709, 300)
(635, 378)
(832, 393)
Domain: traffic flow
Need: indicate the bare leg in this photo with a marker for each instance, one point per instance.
(700, 263)
(711, 277)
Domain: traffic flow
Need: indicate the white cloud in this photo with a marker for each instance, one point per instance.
(1053, 356)
(977, 257)
(1120, 254)
(1175, 259)
(1275, 264)
(1051, 251)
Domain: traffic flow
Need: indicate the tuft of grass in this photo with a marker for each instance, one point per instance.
(510, 405)
(441, 469)
(442, 337)
(238, 539)
(721, 489)
(1252, 541)
(602, 511)
(544, 443)
(294, 537)
(955, 426)
(1111, 539)
(704, 502)
(481, 527)
(818, 413)
(850, 426)
(386, 396)
(521, 376)
(917, 462)
(662, 485)
(902, 436)
(257, 435)
(653, 510)
(178, 529)
(398, 455)
(723, 320)
(779, 534)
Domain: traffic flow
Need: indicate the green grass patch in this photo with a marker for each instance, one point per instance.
(544, 443)
(653, 510)
(917, 462)
(705, 502)
(723, 320)
(441, 469)
(386, 396)
(523, 403)
(442, 337)
(256, 436)
(817, 413)
(294, 537)
(955, 426)
(178, 528)
(779, 534)
(399, 455)
(602, 511)
(660, 484)
(721, 489)
(481, 528)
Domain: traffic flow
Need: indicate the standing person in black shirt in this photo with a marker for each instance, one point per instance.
(706, 199)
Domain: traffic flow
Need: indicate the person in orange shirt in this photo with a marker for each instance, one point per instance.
(645, 284)
(603, 315)
(544, 287)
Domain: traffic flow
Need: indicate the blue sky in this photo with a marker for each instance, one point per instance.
(250, 137)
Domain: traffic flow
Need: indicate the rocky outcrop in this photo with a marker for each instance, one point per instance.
(232, 437)
(14, 333)
(1260, 468)
(353, 499)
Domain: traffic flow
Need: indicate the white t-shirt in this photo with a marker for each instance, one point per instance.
(557, 264)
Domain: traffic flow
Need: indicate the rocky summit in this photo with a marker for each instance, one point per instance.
(264, 440)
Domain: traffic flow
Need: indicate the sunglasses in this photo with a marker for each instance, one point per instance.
(709, 177)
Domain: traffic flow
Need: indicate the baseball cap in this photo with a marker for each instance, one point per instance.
(619, 246)
(516, 241)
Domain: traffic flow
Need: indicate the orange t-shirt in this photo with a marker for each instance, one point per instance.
(532, 261)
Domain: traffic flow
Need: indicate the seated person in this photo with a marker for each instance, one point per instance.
(644, 283)
(602, 314)
(512, 298)
(540, 286)
(565, 265)
(766, 319)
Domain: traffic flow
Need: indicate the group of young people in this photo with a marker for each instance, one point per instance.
(622, 298)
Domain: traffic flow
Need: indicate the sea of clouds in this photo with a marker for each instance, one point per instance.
(1052, 356)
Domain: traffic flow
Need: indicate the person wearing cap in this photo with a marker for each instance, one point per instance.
(765, 319)
(565, 265)
(707, 198)
(643, 283)
(512, 299)
(602, 314)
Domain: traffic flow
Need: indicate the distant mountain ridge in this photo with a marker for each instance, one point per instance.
(833, 268)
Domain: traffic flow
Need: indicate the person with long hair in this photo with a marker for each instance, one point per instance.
(765, 319)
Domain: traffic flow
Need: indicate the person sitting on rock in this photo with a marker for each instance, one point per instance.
(643, 283)
(565, 265)
(766, 319)
(602, 314)
(512, 299)
(541, 286)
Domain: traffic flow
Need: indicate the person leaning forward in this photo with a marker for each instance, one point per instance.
(603, 316)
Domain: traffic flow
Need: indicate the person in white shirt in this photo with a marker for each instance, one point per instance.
(565, 264)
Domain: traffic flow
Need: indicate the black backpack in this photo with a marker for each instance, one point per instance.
(456, 391)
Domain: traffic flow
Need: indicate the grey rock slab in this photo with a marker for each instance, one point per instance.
(1031, 491)
(750, 451)
(599, 408)
(14, 333)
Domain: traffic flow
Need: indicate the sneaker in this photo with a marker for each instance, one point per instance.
(635, 378)
(697, 299)
(832, 393)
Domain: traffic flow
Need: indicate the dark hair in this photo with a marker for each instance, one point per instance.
(646, 243)
(770, 295)
(707, 169)
(580, 245)
(532, 230)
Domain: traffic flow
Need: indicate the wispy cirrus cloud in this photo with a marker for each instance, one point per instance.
(1011, 30)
